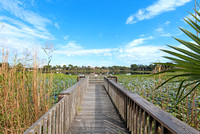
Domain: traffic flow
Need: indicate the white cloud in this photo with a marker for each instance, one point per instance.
(16, 8)
(138, 41)
(159, 30)
(136, 51)
(66, 37)
(21, 31)
(157, 8)
(140, 53)
(24, 28)
(165, 30)
(57, 25)
(167, 23)
(73, 49)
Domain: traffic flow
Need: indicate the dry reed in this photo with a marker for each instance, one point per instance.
(24, 94)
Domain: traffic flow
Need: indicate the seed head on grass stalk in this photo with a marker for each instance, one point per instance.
(185, 62)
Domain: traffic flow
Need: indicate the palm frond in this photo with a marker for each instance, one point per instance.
(185, 61)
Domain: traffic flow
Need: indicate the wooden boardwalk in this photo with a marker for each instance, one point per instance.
(86, 108)
(97, 114)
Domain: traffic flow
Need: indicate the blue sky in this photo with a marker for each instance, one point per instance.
(94, 32)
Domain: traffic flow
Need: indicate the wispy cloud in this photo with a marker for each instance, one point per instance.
(16, 8)
(138, 41)
(15, 28)
(156, 8)
(66, 37)
(136, 51)
(165, 30)
(23, 28)
(57, 25)
(74, 49)
(140, 52)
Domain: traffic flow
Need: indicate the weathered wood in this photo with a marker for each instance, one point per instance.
(45, 125)
(145, 123)
(49, 123)
(155, 127)
(132, 117)
(39, 131)
(55, 121)
(150, 125)
(141, 114)
(97, 114)
(100, 113)
(170, 123)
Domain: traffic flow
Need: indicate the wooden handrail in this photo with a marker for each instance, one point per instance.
(142, 116)
(59, 118)
(115, 77)
(80, 77)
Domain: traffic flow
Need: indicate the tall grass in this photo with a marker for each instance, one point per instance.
(165, 97)
(24, 94)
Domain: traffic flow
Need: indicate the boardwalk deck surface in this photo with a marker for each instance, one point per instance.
(97, 114)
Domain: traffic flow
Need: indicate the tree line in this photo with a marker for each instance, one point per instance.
(75, 68)
(70, 67)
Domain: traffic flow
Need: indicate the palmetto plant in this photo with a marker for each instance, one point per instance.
(186, 61)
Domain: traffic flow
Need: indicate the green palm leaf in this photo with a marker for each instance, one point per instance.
(187, 62)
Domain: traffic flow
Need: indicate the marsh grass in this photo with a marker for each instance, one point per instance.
(24, 94)
(165, 97)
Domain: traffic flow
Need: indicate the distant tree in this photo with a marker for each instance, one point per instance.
(58, 67)
(151, 67)
(64, 67)
(70, 66)
(47, 68)
(134, 67)
(54, 68)
(124, 68)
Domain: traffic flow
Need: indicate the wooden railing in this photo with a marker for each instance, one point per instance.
(96, 77)
(142, 116)
(115, 78)
(58, 119)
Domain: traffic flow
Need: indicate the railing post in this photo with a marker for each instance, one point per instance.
(49, 123)
(53, 122)
(125, 109)
(45, 125)
(39, 128)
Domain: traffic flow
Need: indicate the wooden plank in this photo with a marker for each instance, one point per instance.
(60, 124)
(39, 131)
(53, 122)
(145, 123)
(97, 114)
(171, 123)
(128, 112)
(89, 123)
(141, 120)
(45, 125)
(132, 116)
(57, 119)
(49, 123)
(150, 125)
(134, 119)
(155, 127)
(99, 129)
